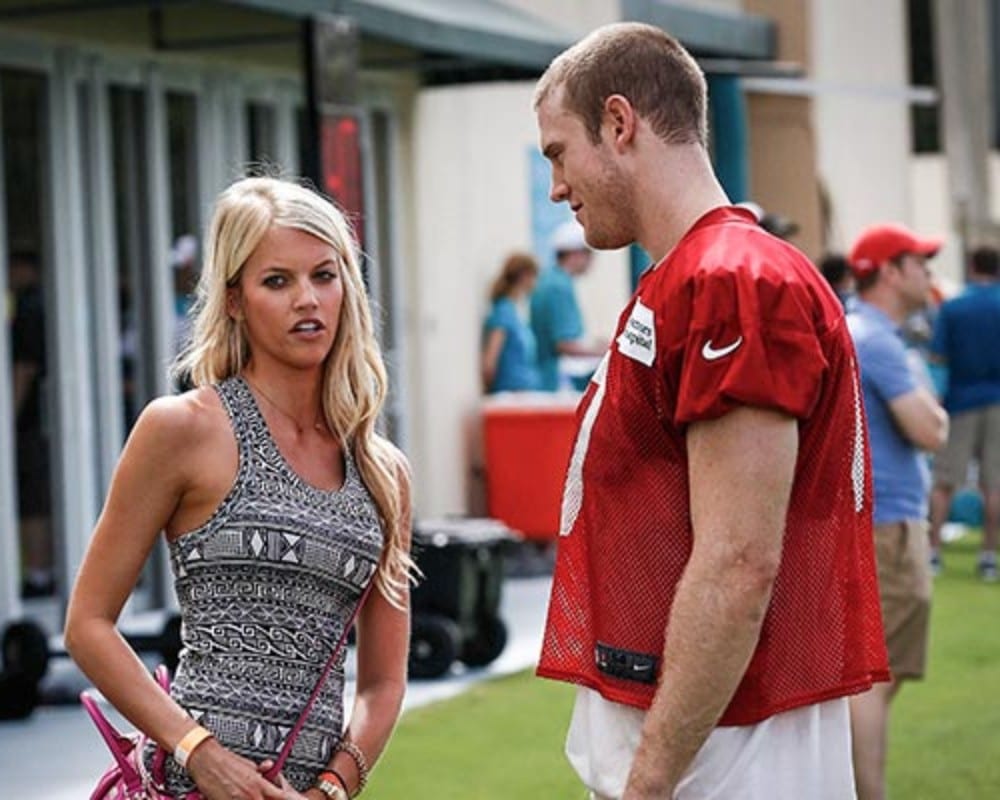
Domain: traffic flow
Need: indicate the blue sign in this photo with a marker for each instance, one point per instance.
(546, 216)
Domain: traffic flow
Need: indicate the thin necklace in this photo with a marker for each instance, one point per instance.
(317, 425)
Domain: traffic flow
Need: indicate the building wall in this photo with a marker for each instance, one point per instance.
(861, 113)
(930, 213)
(782, 154)
(783, 176)
(472, 206)
(862, 122)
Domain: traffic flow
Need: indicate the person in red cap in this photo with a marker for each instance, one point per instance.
(904, 419)
(714, 599)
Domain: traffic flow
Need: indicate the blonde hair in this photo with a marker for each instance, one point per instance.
(641, 62)
(354, 380)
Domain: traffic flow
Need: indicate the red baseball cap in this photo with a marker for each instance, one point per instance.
(880, 243)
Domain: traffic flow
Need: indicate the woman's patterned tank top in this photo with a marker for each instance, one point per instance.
(265, 588)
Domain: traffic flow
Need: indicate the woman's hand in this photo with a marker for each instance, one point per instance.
(289, 793)
(311, 793)
(220, 774)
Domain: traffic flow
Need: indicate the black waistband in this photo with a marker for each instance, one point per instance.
(626, 664)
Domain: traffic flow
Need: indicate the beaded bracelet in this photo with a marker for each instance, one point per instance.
(347, 746)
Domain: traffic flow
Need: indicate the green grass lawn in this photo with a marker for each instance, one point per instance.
(500, 739)
(504, 739)
(945, 731)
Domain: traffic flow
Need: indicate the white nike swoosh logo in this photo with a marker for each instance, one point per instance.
(710, 353)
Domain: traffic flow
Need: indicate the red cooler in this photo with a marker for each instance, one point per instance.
(528, 440)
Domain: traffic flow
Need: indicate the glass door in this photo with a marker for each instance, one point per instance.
(185, 218)
(23, 141)
(131, 213)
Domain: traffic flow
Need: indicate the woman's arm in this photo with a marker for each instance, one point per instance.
(146, 488)
(154, 477)
(383, 646)
(491, 355)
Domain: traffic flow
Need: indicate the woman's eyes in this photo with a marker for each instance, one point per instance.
(278, 281)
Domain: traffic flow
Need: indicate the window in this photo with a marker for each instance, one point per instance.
(924, 120)
(23, 142)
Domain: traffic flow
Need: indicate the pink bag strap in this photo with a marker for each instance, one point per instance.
(119, 745)
(286, 749)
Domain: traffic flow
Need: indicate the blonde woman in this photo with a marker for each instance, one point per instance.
(279, 502)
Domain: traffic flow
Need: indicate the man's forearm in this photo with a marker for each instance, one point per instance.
(713, 630)
(740, 468)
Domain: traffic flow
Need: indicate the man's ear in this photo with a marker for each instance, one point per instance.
(620, 118)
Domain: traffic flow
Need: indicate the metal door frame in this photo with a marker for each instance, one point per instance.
(80, 247)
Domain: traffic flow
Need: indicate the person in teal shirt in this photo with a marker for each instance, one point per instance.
(509, 355)
(555, 312)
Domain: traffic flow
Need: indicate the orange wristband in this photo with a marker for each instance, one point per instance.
(332, 784)
(186, 746)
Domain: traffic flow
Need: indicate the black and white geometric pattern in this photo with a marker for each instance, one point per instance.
(265, 588)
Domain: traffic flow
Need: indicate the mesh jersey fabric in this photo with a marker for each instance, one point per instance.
(626, 529)
(265, 589)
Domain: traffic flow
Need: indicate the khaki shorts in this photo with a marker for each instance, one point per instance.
(972, 435)
(904, 578)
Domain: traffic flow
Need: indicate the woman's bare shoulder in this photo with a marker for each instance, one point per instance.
(176, 420)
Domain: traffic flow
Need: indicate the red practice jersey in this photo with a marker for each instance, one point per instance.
(731, 317)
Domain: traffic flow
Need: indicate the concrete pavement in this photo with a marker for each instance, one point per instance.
(57, 754)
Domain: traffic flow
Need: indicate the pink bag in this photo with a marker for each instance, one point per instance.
(127, 778)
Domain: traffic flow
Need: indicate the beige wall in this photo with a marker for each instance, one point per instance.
(782, 141)
(472, 205)
(930, 213)
(783, 164)
(861, 112)
(844, 129)
(792, 19)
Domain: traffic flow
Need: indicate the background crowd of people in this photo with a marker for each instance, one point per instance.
(535, 327)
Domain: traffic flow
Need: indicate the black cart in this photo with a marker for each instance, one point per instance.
(456, 605)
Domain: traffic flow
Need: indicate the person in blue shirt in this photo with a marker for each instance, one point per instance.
(965, 342)
(904, 418)
(555, 313)
(509, 355)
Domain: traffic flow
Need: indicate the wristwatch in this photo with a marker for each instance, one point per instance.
(330, 787)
